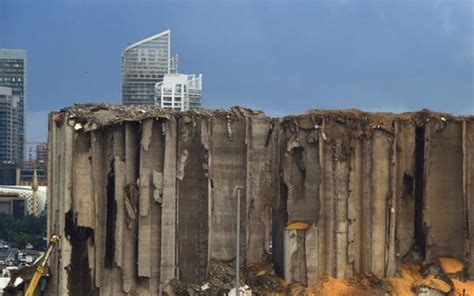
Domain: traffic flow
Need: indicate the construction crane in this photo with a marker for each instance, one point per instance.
(54, 239)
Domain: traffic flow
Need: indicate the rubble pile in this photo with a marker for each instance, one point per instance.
(144, 198)
(414, 279)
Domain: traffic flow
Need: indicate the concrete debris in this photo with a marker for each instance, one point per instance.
(77, 126)
(431, 286)
(90, 126)
(229, 128)
(18, 279)
(131, 195)
(145, 196)
(323, 135)
(205, 287)
(158, 186)
(183, 157)
(243, 291)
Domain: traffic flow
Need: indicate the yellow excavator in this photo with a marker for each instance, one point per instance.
(53, 240)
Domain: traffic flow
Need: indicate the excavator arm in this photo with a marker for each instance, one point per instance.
(54, 239)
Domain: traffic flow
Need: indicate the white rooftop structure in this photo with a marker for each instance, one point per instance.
(179, 92)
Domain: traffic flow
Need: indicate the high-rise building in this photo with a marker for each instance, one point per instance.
(179, 92)
(8, 147)
(149, 76)
(9, 106)
(144, 63)
(13, 77)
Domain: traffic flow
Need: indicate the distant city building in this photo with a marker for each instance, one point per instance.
(11, 203)
(42, 153)
(8, 174)
(179, 92)
(24, 174)
(13, 76)
(25, 197)
(149, 62)
(12, 112)
(144, 63)
(9, 108)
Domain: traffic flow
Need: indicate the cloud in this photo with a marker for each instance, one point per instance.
(455, 20)
(454, 15)
(446, 17)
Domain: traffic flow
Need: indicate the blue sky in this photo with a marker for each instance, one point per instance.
(280, 56)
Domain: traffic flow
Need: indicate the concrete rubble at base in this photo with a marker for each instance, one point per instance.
(142, 196)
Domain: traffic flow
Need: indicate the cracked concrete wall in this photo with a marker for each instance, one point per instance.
(193, 204)
(468, 182)
(156, 205)
(449, 190)
(142, 196)
(339, 177)
(228, 165)
(404, 188)
(365, 215)
(260, 187)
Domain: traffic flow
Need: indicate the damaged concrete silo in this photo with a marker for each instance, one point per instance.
(142, 195)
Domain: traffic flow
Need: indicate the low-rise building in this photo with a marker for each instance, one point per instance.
(33, 203)
(11, 203)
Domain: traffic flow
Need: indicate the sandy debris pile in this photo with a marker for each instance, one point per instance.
(414, 279)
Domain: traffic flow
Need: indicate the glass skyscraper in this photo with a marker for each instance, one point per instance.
(8, 126)
(13, 103)
(145, 63)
